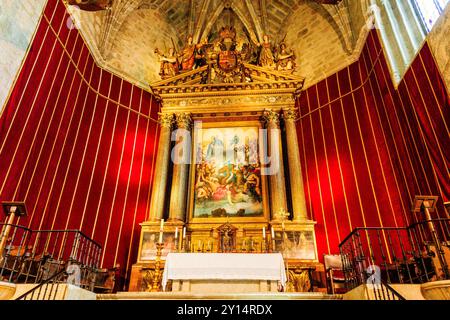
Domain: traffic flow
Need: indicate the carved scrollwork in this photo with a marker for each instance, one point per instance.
(298, 281)
(165, 120)
(271, 117)
(290, 114)
(184, 120)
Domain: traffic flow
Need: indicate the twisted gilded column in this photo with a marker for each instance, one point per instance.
(180, 158)
(295, 169)
(162, 164)
(276, 173)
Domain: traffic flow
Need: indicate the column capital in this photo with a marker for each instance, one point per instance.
(184, 120)
(165, 120)
(290, 114)
(271, 117)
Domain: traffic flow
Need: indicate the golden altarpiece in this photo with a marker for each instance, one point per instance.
(228, 168)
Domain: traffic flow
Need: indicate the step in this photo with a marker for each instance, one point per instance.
(217, 296)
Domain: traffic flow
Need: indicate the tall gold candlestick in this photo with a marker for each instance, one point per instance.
(156, 287)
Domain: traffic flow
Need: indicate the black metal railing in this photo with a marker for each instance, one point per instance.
(36, 256)
(48, 289)
(381, 290)
(395, 255)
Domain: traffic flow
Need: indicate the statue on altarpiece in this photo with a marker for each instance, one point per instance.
(169, 63)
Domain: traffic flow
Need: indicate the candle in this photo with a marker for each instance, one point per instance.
(264, 232)
(176, 233)
(160, 237)
(273, 233)
(162, 225)
(184, 233)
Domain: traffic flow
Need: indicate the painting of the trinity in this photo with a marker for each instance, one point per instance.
(228, 174)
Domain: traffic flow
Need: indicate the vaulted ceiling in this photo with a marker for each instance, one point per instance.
(123, 37)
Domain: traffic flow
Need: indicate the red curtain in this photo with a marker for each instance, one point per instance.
(367, 148)
(78, 143)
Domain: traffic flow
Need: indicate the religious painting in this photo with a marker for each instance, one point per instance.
(296, 244)
(227, 173)
(148, 246)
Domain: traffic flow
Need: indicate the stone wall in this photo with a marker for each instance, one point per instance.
(320, 49)
(137, 59)
(18, 20)
(439, 41)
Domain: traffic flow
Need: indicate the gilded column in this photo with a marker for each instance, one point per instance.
(276, 172)
(181, 158)
(162, 167)
(295, 169)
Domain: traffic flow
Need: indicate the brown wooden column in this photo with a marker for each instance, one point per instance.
(159, 188)
(277, 194)
(295, 169)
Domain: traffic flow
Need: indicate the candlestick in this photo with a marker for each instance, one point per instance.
(156, 283)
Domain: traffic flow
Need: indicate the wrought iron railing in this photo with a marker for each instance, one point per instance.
(395, 255)
(36, 256)
(381, 290)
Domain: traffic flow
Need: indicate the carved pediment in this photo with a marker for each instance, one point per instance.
(257, 80)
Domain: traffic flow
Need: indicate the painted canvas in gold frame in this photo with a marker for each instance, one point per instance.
(147, 246)
(236, 199)
(297, 244)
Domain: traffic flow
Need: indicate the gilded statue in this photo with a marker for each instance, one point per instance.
(266, 58)
(285, 59)
(187, 55)
(191, 56)
(226, 241)
(169, 63)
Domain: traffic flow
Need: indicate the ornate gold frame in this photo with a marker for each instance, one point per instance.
(191, 219)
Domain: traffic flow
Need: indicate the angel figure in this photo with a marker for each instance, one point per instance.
(266, 58)
(192, 55)
(285, 59)
(169, 64)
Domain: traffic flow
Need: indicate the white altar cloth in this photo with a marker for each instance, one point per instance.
(224, 266)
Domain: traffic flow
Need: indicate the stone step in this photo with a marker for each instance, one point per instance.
(217, 296)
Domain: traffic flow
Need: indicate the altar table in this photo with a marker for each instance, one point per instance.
(224, 272)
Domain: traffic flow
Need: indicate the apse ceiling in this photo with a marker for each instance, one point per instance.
(326, 35)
